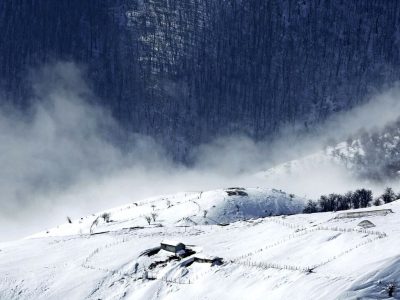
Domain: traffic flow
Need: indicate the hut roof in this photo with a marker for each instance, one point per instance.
(366, 224)
(363, 213)
(171, 243)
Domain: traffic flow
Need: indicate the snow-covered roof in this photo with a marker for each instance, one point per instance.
(363, 213)
(366, 224)
(171, 243)
(208, 257)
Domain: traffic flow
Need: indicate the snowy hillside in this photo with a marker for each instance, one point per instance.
(343, 155)
(187, 209)
(316, 256)
(296, 166)
(373, 155)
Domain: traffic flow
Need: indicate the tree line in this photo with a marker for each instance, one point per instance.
(353, 199)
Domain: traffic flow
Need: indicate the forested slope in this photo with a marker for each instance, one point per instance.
(196, 69)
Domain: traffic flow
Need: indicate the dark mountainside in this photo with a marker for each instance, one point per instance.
(185, 71)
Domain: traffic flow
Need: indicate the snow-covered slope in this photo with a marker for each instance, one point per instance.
(300, 256)
(186, 209)
(299, 166)
(342, 156)
(373, 155)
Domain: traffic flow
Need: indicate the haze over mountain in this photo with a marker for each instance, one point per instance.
(101, 99)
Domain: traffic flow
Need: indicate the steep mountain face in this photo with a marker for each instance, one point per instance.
(197, 69)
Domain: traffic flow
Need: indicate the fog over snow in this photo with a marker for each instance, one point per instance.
(64, 156)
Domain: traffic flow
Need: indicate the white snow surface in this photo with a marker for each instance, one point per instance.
(188, 209)
(315, 256)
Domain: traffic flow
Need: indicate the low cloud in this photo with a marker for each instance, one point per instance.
(62, 158)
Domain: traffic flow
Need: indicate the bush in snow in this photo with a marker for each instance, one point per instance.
(329, 203)
(377, 202)
(364, 196)
(357, 199)
(311, 207)
(388, 196)
(334, 202)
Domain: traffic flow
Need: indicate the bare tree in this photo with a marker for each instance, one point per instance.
(94, 224)
(153, 206)
(390, 288)
(148, 219)
(154, 216)
(106, 217)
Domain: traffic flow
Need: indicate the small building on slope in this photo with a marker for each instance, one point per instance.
(172, 246)
(365, 224)
(364, 213)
